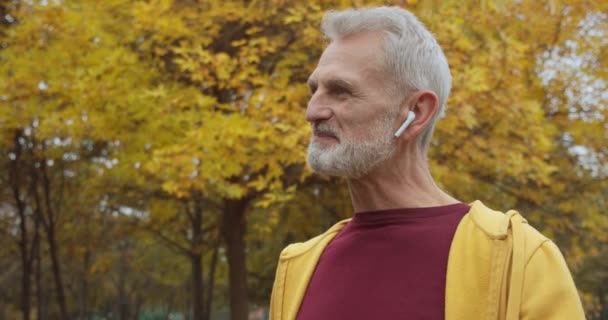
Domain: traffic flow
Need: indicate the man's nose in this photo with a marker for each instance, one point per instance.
(318, 109)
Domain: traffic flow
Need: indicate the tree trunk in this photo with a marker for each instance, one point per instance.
(57, 273)
(603, 306)
(25, 284)
(169, 306)
(234, 234)
(50, 225)
(41, 304)
(138, 304)
(26, 271)
(34, 258)
(197, 287)
(26, 261)
(211, 281)
(84, 287)
(83, 307)
(123, 304)
(196, 259)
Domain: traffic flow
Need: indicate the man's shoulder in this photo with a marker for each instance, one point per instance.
(497, 225)
(496, 252)
(300, 248)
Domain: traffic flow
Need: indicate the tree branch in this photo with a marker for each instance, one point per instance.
(172, 243)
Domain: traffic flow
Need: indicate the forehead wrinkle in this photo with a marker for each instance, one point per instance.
(357, 60)
(352, 73)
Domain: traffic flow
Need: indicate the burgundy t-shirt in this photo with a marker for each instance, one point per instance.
(388, 264)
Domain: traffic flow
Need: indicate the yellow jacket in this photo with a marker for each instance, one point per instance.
(499, 268)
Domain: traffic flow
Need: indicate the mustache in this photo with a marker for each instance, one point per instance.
(325, 129)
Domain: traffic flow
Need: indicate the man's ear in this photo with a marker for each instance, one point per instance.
(424, 104)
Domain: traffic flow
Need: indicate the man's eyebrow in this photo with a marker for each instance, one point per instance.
(336, 82)
(341, 83)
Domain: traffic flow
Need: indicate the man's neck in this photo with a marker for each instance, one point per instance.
(399, 183)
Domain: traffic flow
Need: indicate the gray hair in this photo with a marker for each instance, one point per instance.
(411, 53)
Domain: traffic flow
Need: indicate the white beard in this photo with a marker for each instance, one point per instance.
(352, 159)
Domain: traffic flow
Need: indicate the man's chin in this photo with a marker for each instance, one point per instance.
(324, 163)
(320, 159)
(337, 162)
(326, 171)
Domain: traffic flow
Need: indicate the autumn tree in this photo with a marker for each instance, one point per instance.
(173, 131)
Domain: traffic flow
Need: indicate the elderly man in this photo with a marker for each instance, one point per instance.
(411, 251)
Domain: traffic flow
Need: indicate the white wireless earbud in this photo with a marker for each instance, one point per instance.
(410, 117)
